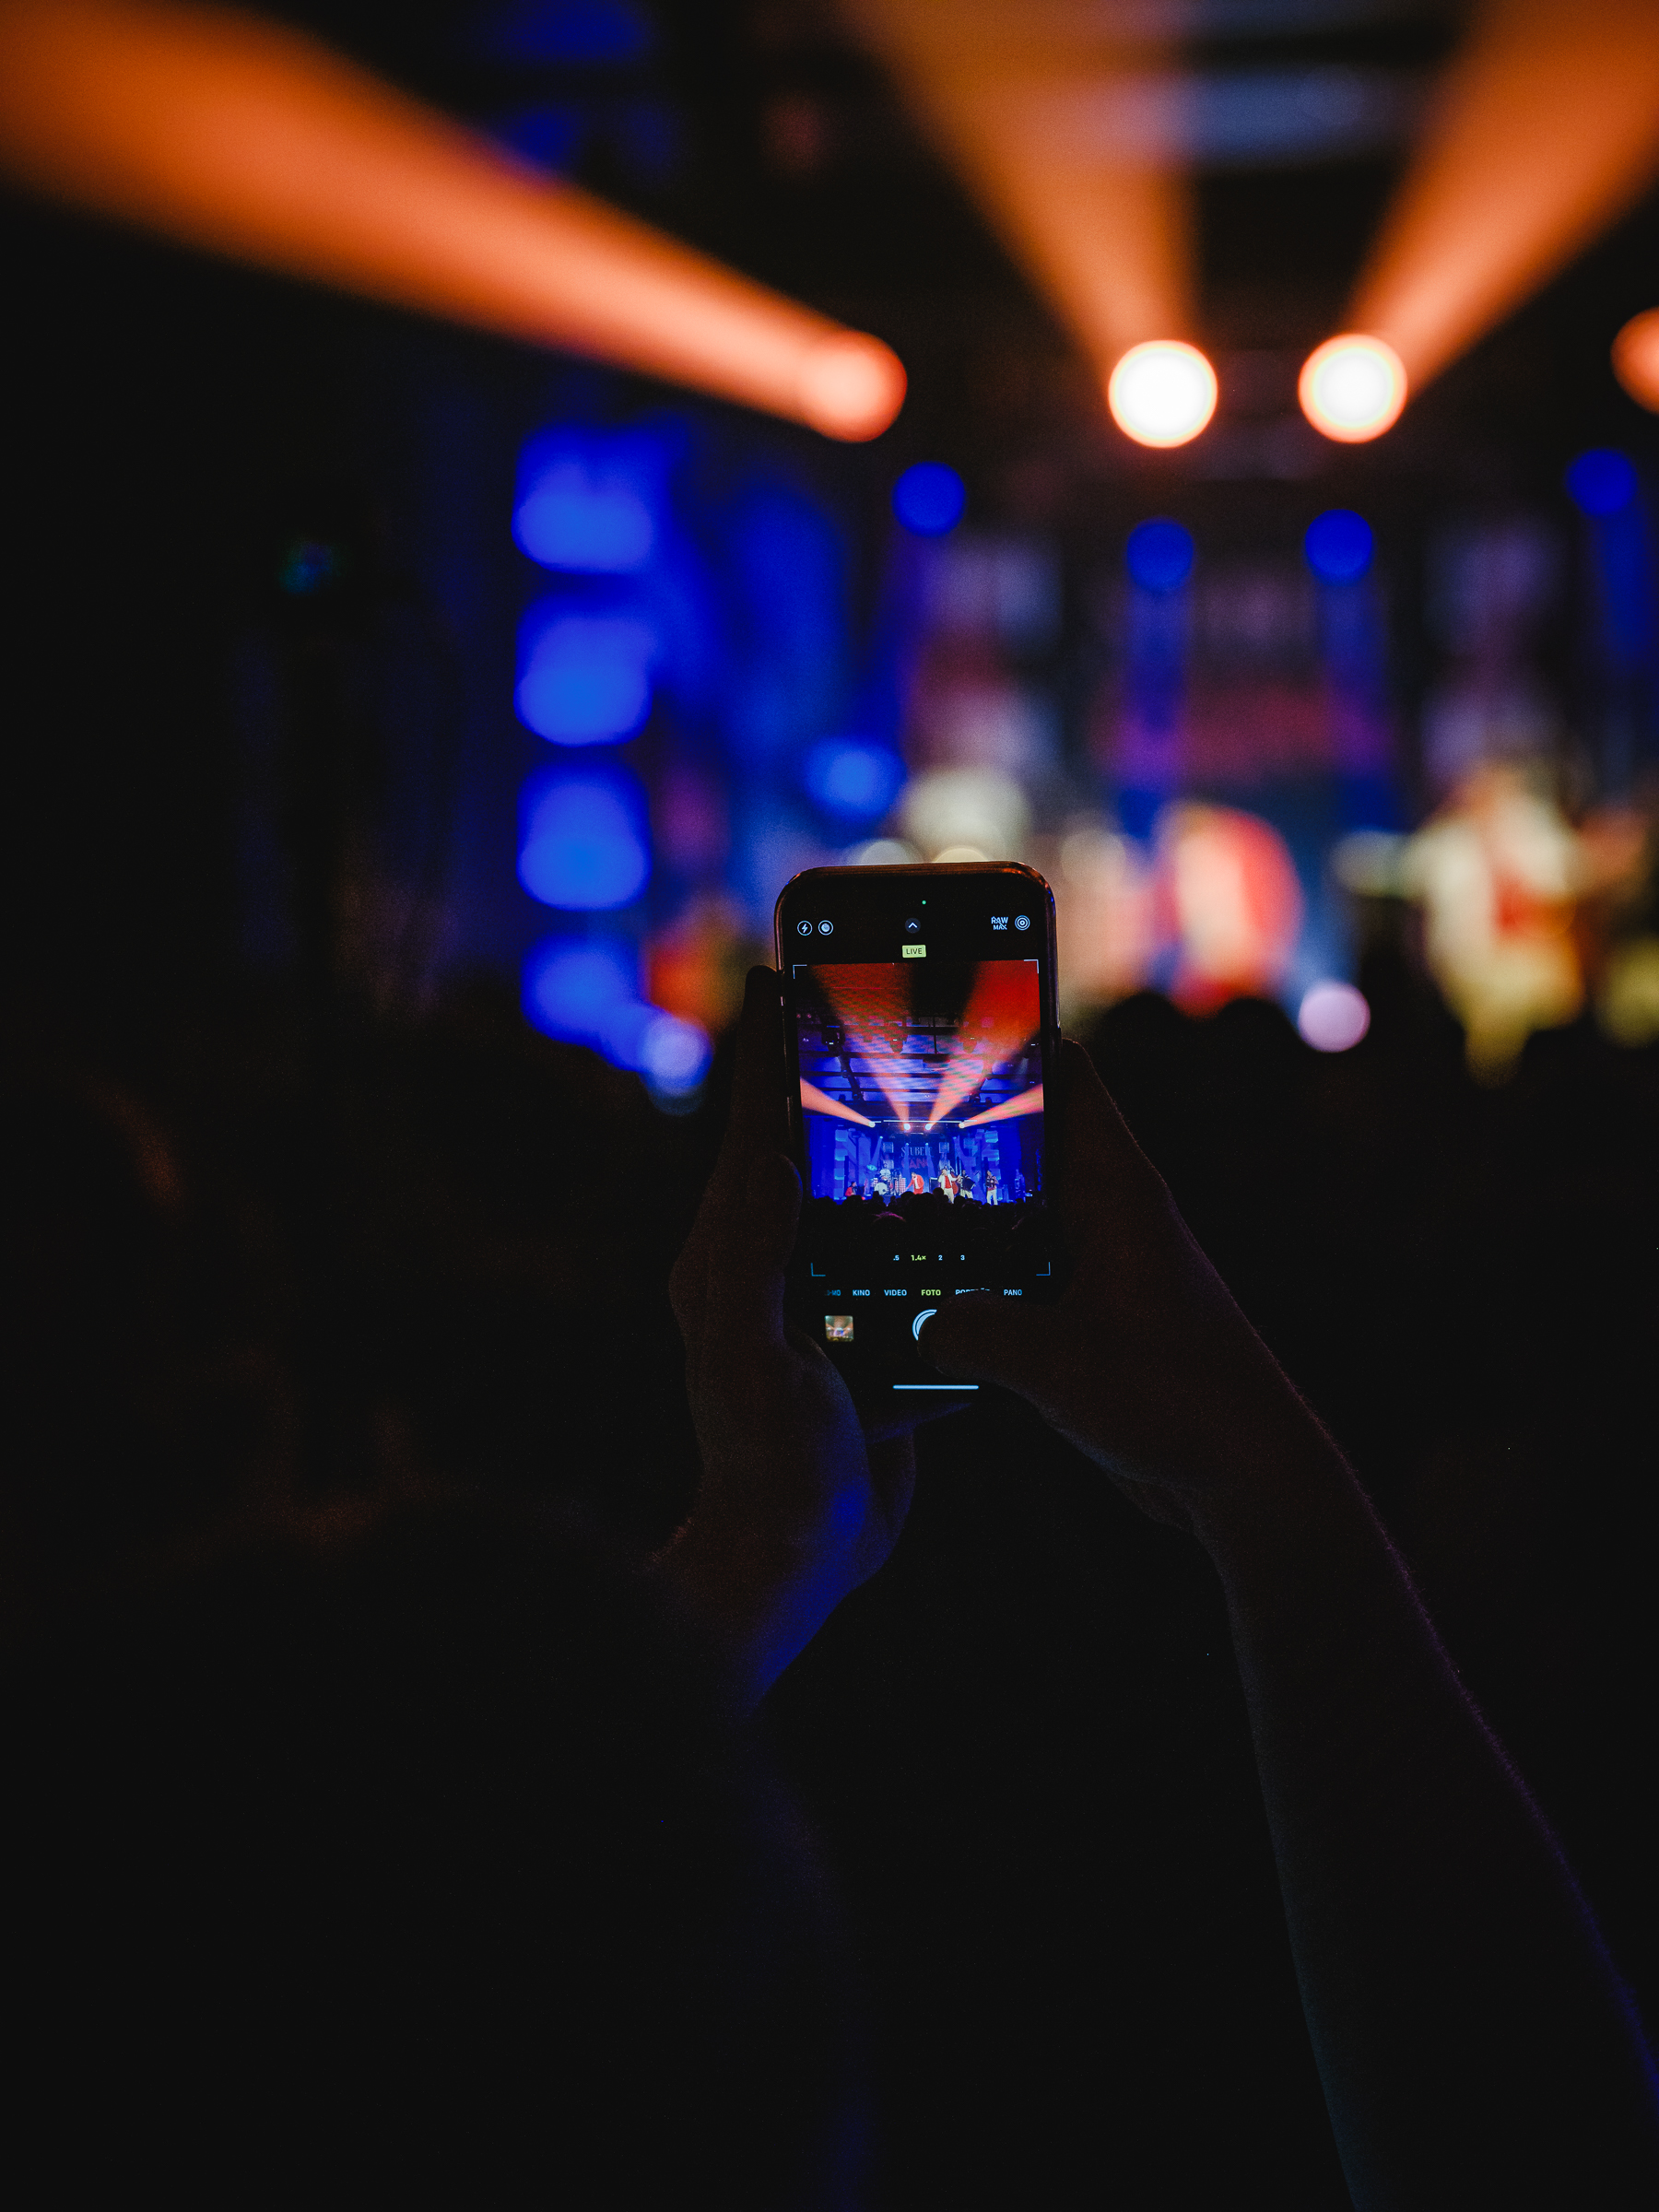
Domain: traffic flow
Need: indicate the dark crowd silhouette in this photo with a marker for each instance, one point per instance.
(387, 1784)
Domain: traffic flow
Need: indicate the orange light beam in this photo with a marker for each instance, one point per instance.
(1028, 106)
(1546, 129)
(1636, 359)
(1003, 1013)
(819, 1101)
(1109, 243)
(238, 135)
(872, 1002)
(1028, 1101)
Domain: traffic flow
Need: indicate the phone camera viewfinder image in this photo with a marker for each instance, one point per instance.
(921, 1092)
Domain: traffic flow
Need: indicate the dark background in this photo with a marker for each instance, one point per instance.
(273, 1230)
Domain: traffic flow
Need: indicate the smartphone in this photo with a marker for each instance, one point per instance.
(920, 1036)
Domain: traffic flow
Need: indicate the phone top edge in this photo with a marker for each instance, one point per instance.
(933, 869)
(916, 867)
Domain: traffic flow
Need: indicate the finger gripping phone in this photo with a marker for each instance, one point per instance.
(920, 1036)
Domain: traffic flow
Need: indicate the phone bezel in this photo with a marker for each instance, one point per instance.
(892, 879)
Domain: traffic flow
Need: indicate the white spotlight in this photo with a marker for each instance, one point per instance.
(1162, 393)
(950, 810)
(1352, 388)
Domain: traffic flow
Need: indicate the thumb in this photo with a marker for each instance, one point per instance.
(749, 1253)
(980, 1340)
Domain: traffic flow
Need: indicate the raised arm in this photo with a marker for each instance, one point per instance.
(795, 1507)
(1475, 2044)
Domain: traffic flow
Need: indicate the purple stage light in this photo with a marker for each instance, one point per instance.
(1332, 1017)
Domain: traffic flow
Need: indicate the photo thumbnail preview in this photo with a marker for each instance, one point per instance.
(922, 1077)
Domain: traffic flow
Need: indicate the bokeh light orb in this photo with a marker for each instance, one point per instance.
(850, 386)
(576, 516)
(587, 993)
(1352, 388)
(1602, 481)
(583, 844)
(1159, 555)
(884, 853)
(1338, 545)
(1162, 393)
(1636, 359)
(930, 499)
(1332, 1017)
(674, 1054)
(1237, 902)
(947, 809)
(583, 679)
(570, 988)
(853, 780)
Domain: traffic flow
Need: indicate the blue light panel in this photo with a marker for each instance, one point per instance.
(564, 30)
(572, 989)
(852, 779)
(1338, 545)
(587, 503)
(583, 845)
(930, 499)
(585, 994)
(1160, 556)
(583, 679)
(1602, 481)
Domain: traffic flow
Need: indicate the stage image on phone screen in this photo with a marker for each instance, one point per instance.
(921, 1092)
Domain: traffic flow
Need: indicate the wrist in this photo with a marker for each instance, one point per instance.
(760, 1600)
(1285, 1480)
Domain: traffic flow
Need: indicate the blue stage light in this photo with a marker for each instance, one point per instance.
(674, 1055)
(586, 503)
(308, 567)
(564, 30)
(1339, 546)
(571, 990)
(583, 679)
(854, 780)
(1160, 556)
(550, 136)
(585, 994)
(930, 499)
(620, 1031)
(1602, 481)
(583, 844)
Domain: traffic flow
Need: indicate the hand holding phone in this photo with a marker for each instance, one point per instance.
(919, 1033)
(795, 1507)
(1146, 1363)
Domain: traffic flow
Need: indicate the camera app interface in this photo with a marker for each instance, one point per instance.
(921, 1086)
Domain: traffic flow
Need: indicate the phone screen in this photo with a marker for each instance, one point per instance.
(919, 1021)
